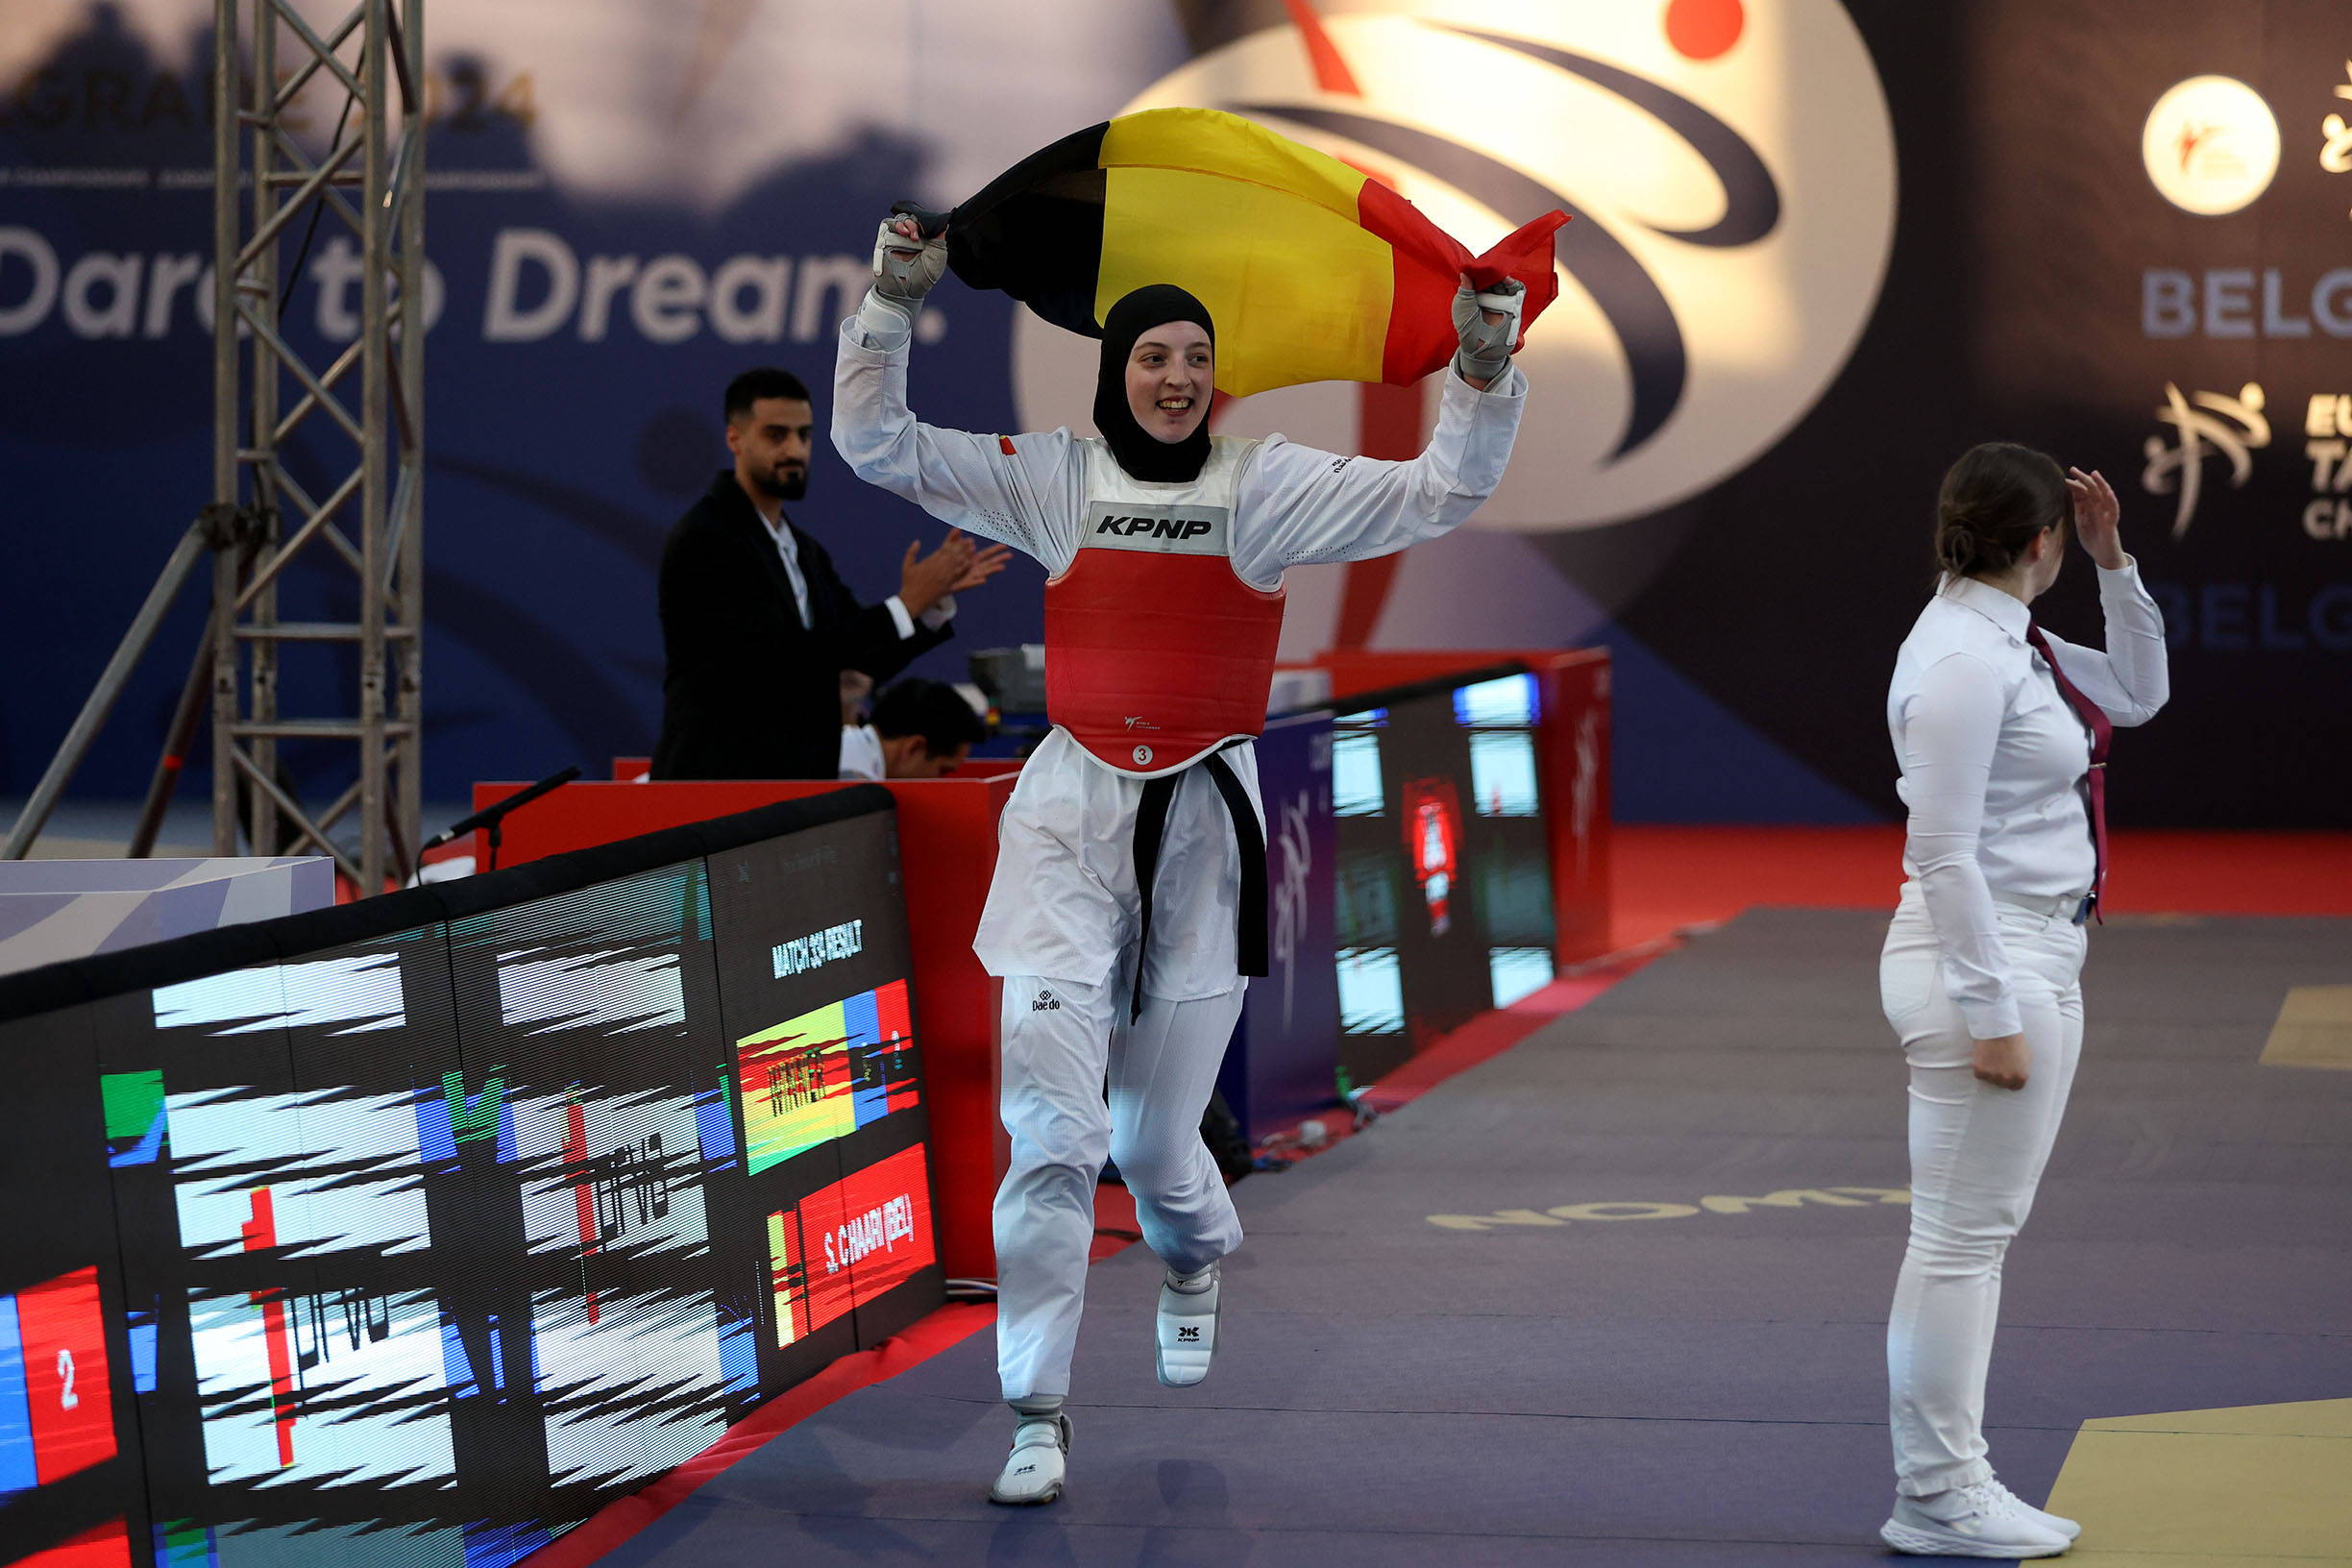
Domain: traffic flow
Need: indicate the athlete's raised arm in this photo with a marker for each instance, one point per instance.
(1019, 490)
(1309, 505)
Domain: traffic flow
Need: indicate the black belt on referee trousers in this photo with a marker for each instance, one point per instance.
(1151, 827)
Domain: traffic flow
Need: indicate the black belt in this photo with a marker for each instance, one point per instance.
(1151, 825)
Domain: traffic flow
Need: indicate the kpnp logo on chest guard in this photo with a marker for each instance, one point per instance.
(1159, 651)
(1163, 530)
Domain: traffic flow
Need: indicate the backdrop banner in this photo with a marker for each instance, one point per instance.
(1817, 253)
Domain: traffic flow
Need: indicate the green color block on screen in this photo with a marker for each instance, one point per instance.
(478, 1119)
(134, 1102)
(186, 1544)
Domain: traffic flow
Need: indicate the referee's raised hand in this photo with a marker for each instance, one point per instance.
(2097, 516)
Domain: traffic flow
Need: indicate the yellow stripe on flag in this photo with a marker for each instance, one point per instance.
(1232, 148)
(1313, 286)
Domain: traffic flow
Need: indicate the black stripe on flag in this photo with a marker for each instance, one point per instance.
(1036, 232)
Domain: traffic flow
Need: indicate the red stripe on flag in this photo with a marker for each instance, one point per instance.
(1389, 216)
(1527, 254)
(1390, 422)
(1425, 265)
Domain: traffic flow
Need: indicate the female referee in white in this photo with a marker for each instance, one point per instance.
(2001, 734)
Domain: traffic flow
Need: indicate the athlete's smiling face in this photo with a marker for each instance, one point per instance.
(1170, 373)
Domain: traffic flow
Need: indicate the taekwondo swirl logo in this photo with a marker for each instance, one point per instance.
(1730, 167)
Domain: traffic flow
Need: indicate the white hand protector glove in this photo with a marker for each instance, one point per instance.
(906, 267)
(1486, 346)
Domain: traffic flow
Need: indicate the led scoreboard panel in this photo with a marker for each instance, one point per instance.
(1443, 888)
(416, 1249)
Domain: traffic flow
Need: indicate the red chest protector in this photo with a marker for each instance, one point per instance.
(1156, 652)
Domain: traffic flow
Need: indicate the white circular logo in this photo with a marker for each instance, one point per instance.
(2211, 145)
(1143, 756)
(1730, 169)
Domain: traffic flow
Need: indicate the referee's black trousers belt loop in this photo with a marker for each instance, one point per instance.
(1151, 827)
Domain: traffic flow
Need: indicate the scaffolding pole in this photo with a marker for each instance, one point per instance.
(276, 412)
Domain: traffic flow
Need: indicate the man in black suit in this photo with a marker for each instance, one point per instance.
(756, 625)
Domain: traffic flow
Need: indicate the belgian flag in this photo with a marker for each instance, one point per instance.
(1314, 271)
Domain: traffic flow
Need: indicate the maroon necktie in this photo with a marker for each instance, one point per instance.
(2102, 732)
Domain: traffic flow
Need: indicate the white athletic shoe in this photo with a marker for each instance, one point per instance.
(1034, 1470)
(1188, 1327)
(2057, 1522)
(1980, 1521)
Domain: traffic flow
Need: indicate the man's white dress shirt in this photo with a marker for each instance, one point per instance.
(1993, 760)
(789, 547)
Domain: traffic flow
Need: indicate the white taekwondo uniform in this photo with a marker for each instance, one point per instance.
(1062, 922)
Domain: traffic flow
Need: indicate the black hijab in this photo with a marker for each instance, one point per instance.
(1153, 461)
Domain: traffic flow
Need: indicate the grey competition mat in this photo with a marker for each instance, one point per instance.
(1606, 1348)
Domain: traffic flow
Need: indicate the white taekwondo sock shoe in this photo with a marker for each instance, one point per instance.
(1188, 1326)
(1980, 1520)
(2048, 1520)
(1033, 1472)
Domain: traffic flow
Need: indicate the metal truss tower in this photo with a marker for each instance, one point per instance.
(353, 422)
(362, 508)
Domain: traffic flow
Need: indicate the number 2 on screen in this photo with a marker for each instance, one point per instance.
(67, 1399)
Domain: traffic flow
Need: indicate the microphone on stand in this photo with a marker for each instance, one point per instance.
(492, 816)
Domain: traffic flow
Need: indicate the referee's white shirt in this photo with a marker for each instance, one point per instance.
(1992, 765)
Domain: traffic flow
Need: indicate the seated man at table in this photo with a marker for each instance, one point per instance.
(920, 730)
